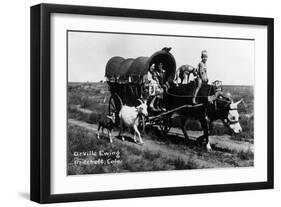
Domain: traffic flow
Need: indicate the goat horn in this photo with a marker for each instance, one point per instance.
(140, 100)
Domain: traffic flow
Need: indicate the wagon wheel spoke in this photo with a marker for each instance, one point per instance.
(165, 125)
(112, 106)
(184, 130)
(112, 109)
(141, 124)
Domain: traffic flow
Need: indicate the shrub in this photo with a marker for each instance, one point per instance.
(94, 118)
(73, 99)
(86, 102)
(246, 155)
(180, 164)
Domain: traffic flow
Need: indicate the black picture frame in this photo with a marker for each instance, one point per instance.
(41, 99)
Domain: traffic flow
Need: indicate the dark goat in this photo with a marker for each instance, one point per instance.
(106, 122)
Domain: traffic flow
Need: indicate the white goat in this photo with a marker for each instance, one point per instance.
(129, 116)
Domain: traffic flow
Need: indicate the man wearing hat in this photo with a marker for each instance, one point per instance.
(201, 74)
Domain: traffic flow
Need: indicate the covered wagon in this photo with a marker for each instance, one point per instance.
(126, 77)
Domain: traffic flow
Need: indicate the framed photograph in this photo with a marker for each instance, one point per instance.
(133, 103)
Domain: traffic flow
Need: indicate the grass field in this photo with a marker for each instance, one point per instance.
(169, 154)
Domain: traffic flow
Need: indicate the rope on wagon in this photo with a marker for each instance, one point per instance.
(184, 96)
(175, 109)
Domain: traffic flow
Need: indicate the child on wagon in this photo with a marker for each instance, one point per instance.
(201, 74)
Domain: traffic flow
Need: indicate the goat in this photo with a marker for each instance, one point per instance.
(129, 116)
(106, 122)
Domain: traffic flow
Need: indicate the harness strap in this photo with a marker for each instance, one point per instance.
(232, 122)
(184, 96)
(228, 122)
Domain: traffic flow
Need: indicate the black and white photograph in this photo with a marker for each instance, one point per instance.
(140, 103)
(131, 103)
(158, 102)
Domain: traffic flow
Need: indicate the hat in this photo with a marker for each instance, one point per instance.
(204, 53)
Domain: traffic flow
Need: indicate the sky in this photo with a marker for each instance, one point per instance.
(229, 60)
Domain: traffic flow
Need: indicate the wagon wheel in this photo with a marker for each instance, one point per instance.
(141, 126)
(143, 91)
(165, 125)
(184, 130)
(113, 107)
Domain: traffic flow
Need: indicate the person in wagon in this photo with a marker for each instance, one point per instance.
(201, 74)
(150, 71)
(151, 80)
(153, 87)
(161, 73)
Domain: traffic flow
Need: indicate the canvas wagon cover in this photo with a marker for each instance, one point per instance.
(121, 69)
